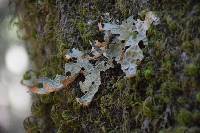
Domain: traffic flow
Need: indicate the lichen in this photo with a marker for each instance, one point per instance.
(79, 63)
(91, 72)
(130, 53)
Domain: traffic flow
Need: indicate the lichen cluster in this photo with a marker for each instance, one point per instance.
(164, 96)
(128, 55)
(91, 73)
(132, 32)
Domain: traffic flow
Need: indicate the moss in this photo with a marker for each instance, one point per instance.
(181, 130)
(47, 98)
(85, 33)
(121, 84)
(191, 70)
(37, 109)
(152, 31)
(187, 46)
(169, 88)
(56, 115)
(194, 130)
(182, 100)
(169, 130)
(66, 114)
(122, 6)
(26, 76)
(30, 125)
(198, 97)
(167, 65)
(148, 73)
(171, 23)
(184, 117)
(66, 127)
(196, 117)
(144, 109)
(142, 14)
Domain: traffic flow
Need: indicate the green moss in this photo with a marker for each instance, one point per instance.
(171, 23)
(167, 65)
(191, 70)
(37, 109)
(148, 73)
(180, 129)
(169, 88)
(194, 130)
(82, 27)
(142, 14)
(30, 125)
(187, 46)
(86, 32)
(169, 130)
(182, 100)
(165, 99)
(121, 4)
(66, 114)
(56, 115)
(184, 117)
(196, 117)
(66, 127)
(198, 97)
(27, 75)
(144, 109)
(152, 31)
(47, 98)
(121, 84)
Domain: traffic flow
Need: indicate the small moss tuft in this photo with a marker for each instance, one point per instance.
(37, 109)
(198, 97)
(27, 75)
(121, 84)
(171, 23)
(180, 129)
(66, 114)
(184, 117)
(191, 70)
(148, 73)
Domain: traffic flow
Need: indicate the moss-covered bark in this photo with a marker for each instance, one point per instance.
(163, 96)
